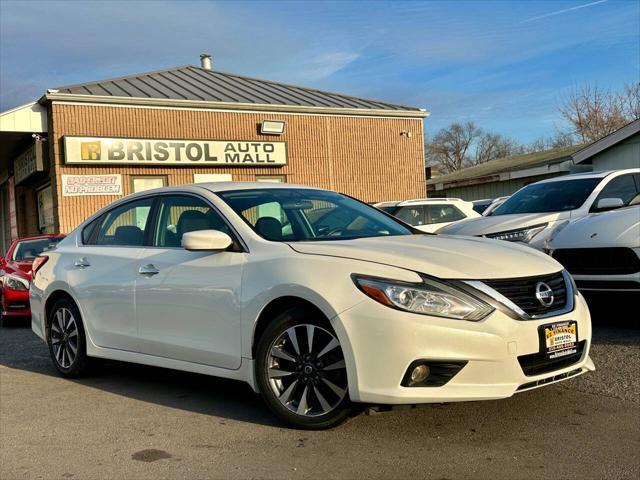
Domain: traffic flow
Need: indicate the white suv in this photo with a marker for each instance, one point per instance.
(430, 214)
(532, 213)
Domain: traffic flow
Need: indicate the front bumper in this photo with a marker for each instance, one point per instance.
(15, 303)
(380, 343)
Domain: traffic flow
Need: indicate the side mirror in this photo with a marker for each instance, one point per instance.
(206, 240)
(609, 204)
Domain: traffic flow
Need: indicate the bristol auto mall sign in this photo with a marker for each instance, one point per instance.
(136, 151)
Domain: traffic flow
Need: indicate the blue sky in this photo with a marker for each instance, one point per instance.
(504, 64)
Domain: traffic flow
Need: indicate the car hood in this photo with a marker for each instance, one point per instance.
(501, 223)
(617, 228)
(440, 255)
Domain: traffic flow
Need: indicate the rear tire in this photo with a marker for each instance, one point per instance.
(67, 340)
(301, 372)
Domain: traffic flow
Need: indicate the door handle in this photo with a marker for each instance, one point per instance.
(148, 269)
(81, 263)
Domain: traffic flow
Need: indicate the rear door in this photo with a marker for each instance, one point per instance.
(188, 303)
(103, 271)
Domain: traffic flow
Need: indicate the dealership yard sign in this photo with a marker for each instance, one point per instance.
(84, 185)
(136, 151)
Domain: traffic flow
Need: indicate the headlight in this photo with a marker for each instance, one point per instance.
(427, 298)
(16, 283)
(521, 235)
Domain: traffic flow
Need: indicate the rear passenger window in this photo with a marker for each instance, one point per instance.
(412, 215)
(125, 225)
(443, 213)
(89, 230)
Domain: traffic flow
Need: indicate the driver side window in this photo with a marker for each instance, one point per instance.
(622, 187)
(180, 214)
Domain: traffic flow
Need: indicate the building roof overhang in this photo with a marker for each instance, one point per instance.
(586, 154)
(17, 127)
(227, 106)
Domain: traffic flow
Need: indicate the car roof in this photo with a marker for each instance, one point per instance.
(596, 174)
(227, 186)
(419, 201)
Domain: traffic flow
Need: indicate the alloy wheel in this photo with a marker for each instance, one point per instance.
(307, 371)
(64, 337)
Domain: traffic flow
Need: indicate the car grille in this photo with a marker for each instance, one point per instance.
(598, 261)
(537, 363)
(522, 292)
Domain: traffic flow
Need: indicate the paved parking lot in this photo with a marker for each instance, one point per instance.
(140, 422)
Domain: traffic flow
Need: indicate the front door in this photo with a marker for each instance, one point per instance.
(188, 303)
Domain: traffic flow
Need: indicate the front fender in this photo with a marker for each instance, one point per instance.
(322, 281)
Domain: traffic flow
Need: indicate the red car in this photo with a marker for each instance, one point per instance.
(15, 274)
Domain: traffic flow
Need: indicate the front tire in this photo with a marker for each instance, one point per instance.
(301, 371)
(67, 340)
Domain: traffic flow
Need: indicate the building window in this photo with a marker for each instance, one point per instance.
(212, 177)
(45, 210)
(142, 183)
(271, 178)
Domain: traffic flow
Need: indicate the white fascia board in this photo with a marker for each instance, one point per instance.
(29, 118)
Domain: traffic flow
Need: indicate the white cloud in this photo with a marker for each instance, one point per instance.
(564, 10)
(326, 64)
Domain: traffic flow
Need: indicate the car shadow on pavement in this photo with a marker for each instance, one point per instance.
(203, 394)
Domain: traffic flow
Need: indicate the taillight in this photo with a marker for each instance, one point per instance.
(38, 262)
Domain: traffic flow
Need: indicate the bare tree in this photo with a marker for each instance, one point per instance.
(630, 101)
(492, 145)
(450, 148)
(558, 140)
(462, 145)
(594, 113)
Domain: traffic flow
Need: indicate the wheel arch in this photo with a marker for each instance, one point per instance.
(51, 300)
(277, 306)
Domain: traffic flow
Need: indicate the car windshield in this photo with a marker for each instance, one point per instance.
(27, 250)
(294, 215)
(556, 196)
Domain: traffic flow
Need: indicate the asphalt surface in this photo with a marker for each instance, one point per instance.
(134, 422)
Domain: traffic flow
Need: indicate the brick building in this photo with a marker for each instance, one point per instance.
(100, 140)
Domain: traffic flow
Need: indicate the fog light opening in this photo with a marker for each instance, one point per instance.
(431, 373)
(419, 374)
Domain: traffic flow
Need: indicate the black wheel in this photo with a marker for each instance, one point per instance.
(66, 340)
(301, 371)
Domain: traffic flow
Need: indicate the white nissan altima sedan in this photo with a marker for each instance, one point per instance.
(314, 298)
